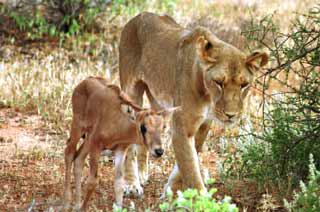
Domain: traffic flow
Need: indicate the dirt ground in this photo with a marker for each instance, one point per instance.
(32, 170)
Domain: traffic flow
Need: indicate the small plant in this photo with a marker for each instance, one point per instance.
(308, 199)
(115, 208)
(192, 200)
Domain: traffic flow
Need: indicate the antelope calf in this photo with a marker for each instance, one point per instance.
(108, 119)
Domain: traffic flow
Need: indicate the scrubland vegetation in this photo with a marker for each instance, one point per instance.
(270, 162)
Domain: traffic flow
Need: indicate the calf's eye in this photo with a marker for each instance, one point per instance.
(143, 129)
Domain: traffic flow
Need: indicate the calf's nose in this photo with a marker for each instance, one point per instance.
(159, 152)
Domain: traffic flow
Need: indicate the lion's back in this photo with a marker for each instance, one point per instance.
(148, 51)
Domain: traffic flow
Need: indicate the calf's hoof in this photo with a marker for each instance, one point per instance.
(66, 206)
(133, 190)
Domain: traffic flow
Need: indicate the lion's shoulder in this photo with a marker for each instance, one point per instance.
(158, 22)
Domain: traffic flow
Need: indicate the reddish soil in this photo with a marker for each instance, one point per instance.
(32, 170)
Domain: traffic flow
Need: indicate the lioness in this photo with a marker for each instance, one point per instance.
(190, 68)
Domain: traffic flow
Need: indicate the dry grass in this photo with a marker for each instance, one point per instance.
(40, 78)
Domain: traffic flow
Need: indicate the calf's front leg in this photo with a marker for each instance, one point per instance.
(120, 155)
(143, 164)
(131, 172)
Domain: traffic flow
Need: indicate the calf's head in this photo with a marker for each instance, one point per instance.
(152, 128)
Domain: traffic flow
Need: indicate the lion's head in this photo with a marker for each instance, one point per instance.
(226, 75)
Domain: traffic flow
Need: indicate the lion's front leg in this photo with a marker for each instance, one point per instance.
(175, 180)
(200, 139)
(187, 160)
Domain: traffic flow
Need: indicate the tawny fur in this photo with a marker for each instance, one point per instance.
(191, 68)
(102, 113)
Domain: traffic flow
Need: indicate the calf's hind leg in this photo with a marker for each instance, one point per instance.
(78, 167)
(69, 154)
(92, 180)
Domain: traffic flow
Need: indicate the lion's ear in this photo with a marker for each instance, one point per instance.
(257, 59)
(205, 49)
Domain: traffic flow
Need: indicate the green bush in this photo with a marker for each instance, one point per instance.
(308, 199)
(192, 200)
(289, 130)
(280, 154)
(65, 18)
(55, 18)
(36, 27)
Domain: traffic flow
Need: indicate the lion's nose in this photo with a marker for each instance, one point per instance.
(230, 115)
(159, 152)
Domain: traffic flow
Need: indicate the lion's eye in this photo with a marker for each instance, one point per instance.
(244, 85)
(219, 83)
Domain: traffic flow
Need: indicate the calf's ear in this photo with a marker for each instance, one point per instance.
(257, 60)
(167, 112)
(128, 110)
